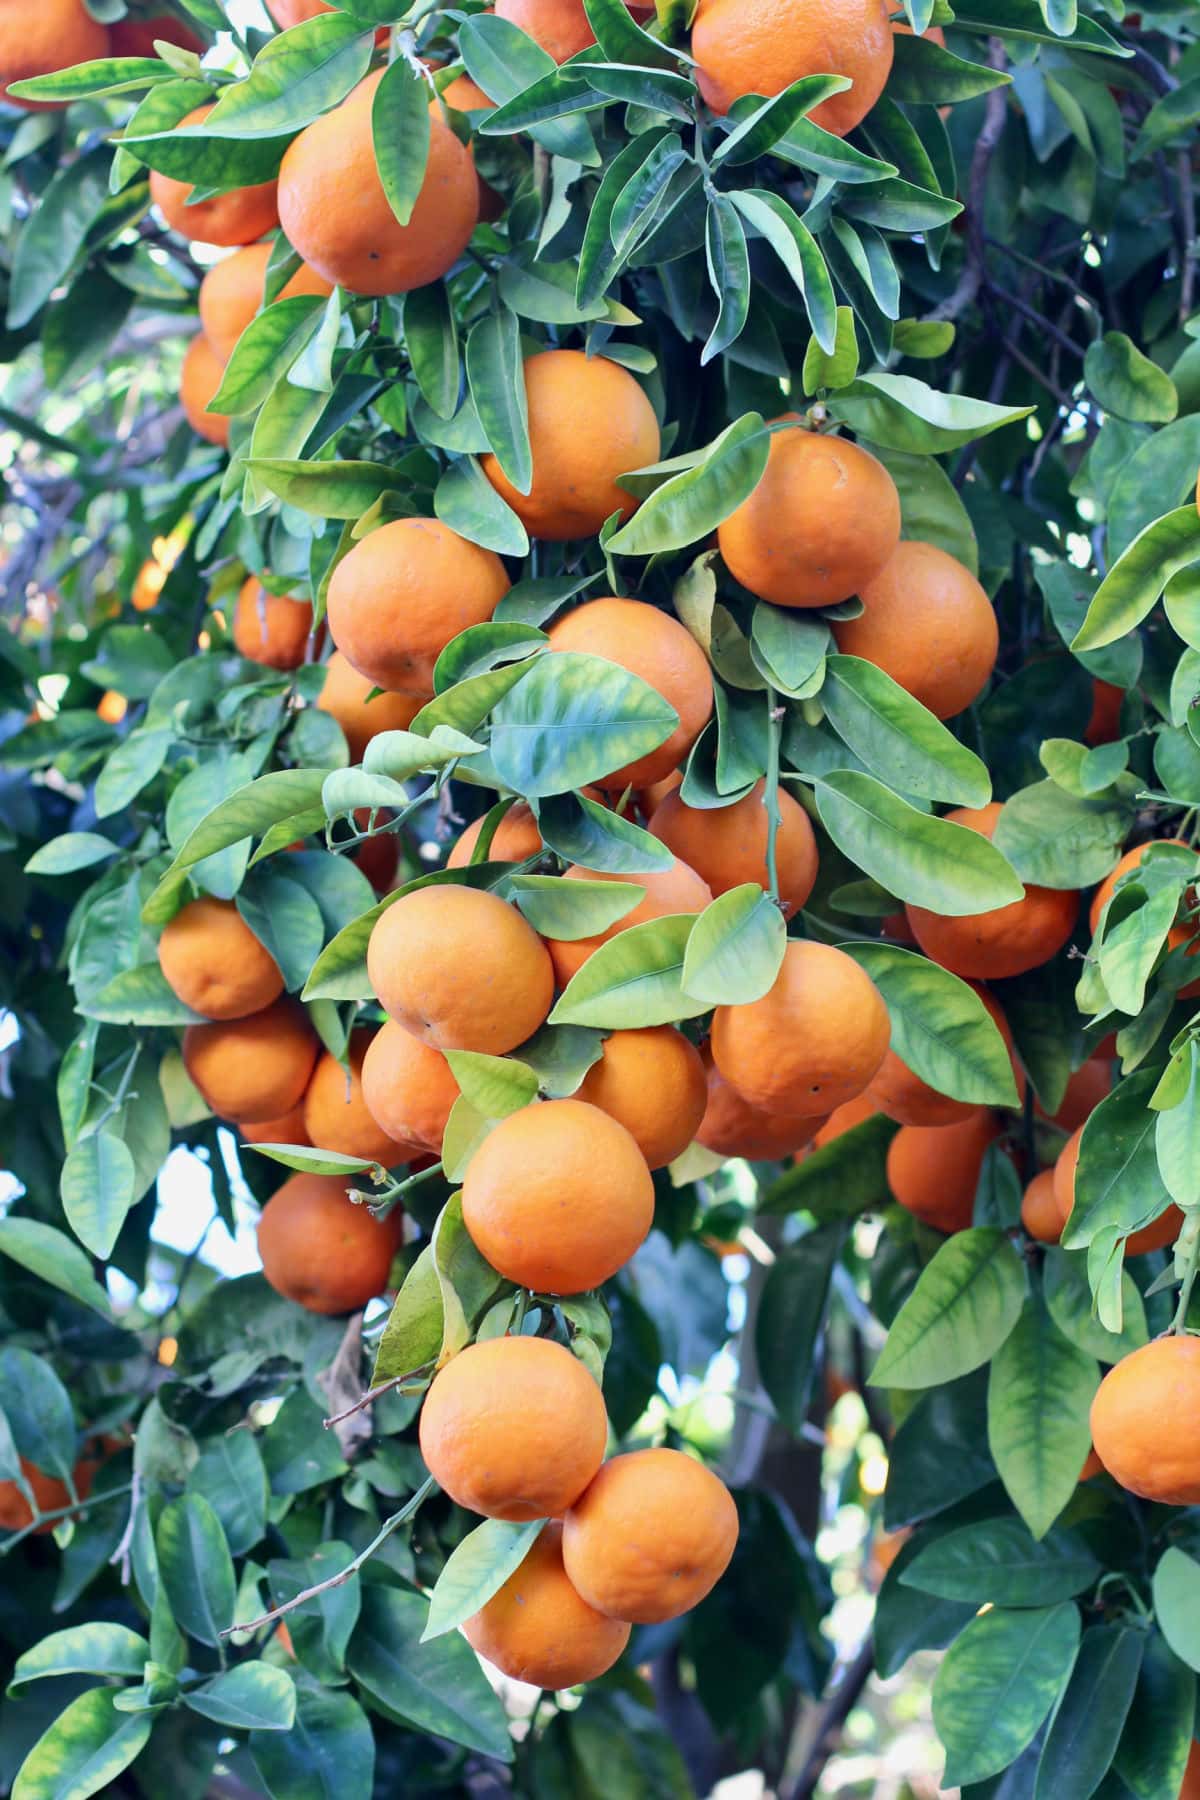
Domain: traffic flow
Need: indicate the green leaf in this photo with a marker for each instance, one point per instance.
(53, 1258)
(788, 649)
(1039, 1393)
(770, 217)
(400, 129)
(905, 414)
(691, 504)
(503, 61)
(254, 1696)
(996, 1684)
(476, 1568)
(923, 338)
(437, 1688)
(573, 719)
(296, 77)
(1130, 948)
(298, 1452)
(140, 996)
(494, 1085)
(98, 1186)
(431, 338)
(926, 74)
(940, 1027)
(1177, 1604)
(1062, 840)
(1117, 1183)
(584, 832)
(88, 1746)
(465, 500)
(1152, 1755)
(496, 377)
(728, 264)
(1177, 1137)
(1137, 579)
(735, 949)
(88, 80)
(468, 1284)
(267, 348)
(341, 490)
(840, 1179)
(925, 861)
(196, 1567)
(1069, 1299)
(250, 811)
(791, 1318)
(94, 1648)
(834, 368)
(132, 766)
(329, 1754)
(321, 1628)
(635, 979)
(1127, 383)
(897, 737)
(412, 1336)
(570, 910)
(54, 234)
(964, 1306)
(907, 1620)
(74, 850)
(623, 41)
(1086, 1728)
(230, 1475)
(313, 1162)
(1000, 1561)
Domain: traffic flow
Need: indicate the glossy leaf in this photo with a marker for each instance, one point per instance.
(88, 1746)
(996, 1684)
(1039, 1395)
(964, 1306)
(1000, 1561)
(477, 1566)
(897, 737)
(1086, 1729)
(400, 135)
(635, 979)
(253, 1696)
(573, 719)
(940, 1027)
(437, 1687)
(1136, 580)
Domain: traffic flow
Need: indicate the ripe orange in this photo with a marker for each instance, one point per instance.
(148, 584)
(199, 380)
(558, 1197)
(845, 1118)
(363, 246)
(727, 845)
(1039, 1209)
(536, 1628)
(214, 963)
(903, 1096)
(111, 707)
(270, 628)
(1137, 1416)
(238, 217)
(409, 1088)
(287, 1130)
(1191, 1775)
(1104, 721)
(336, 1115)
(762, 46)
(810, 1044)
(253, 1068)
(656, 647)
(674, 890)
(296, 12)
(461, 969)
(652, 1082)
(929, 625)
(933, 1170)
(324, 1250)
(732, 1127)
(1155, 1236)
(650, 798)
(232, 293)
(822, 522)
(403, 592)
(513, 1428)
(136, 37)
(650, 1536)
(515, 838)
(589, 423)
(40, 40)
(1007, 941)
(362, 714)
(1085, 1090)
(48, 1491)
(379, 856)
(559, 26)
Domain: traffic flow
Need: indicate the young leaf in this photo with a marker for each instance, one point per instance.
(476, 1568)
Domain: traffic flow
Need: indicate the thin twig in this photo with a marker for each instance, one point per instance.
(62, 1512)
(376, 1393)
(971, 278)
(775, 715)
(821, 1735)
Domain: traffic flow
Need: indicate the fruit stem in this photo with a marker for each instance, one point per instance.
(63, 1512)
(774, 733)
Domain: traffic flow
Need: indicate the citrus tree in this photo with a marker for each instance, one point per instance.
(601, 744)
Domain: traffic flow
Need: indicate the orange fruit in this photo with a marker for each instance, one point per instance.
(409, 1088)
(363, 246)
(515, 838)
(362, 714)
(812, 1042)
(1007, 941)
(1039, 1209)
(336, 1115)
(214, 963)
(323, 1250)
(929, 625)
(40, 40)
(823, 521)
(558, 1197)
(461, 969)
(1104, 721)
(559, 26)
(762, 46)
(402, 593)
(536, 1628)
(379, 856)
(1155, 1236)
(1191, 1776)
(270, 628)
(149, 583)
(732, 1127)
(238, 217)
(286, 1130)
(1086, 1088)
(1137, 1416)
(652, 1082)
(513, 1428)
(933, 1170)
(297, 12)
(48, 1491)
(845, 1118)
(656, 647)
(650, 1536)
(111, 707)
(727, 845)
(589, 423)
(232, 293)
(199, 379)
(137, 37)
(650, 798)
(903, 1096)
(253, 1068)
(1091, 1466)
(674, 890)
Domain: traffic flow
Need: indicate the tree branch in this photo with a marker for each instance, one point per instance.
(970, 280)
